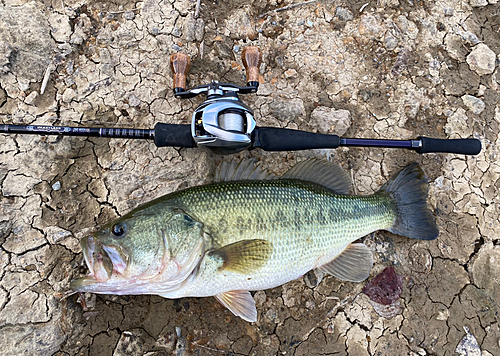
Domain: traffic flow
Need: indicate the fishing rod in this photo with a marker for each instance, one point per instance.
(224, 124)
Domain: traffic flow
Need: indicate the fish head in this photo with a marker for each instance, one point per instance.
(140, 249)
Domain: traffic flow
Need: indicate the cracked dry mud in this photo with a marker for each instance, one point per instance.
(390, 69)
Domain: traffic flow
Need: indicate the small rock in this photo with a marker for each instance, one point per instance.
(474, 104)
(478, 3)
(456, 125)
(31, 98)
(68, 95)
(60, 27)
(240, 25)
(134, 100)
(469, 37)
(370, 27)
(176, 32)
(56, 186)
(129, 15)
(343, 14)
(55, 234)
(291, 73)
(329, 120)
(482, 59)
(288, 109)
(390, 42)
(468, 346)
(448, 12)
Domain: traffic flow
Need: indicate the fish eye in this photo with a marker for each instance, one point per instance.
(119, 229)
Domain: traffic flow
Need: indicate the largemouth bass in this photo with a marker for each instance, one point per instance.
(250, 231)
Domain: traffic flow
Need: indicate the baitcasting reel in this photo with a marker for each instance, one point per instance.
(222, 123)
(225, 125)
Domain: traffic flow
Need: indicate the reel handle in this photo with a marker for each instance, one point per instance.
(251, 58)
(180, 64)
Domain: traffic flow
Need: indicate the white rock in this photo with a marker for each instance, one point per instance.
(68, 95)
(456, 125)
(60, 27)
(478, 3)
(482, 59)
(474, 104)
(31, 98)
(329, 120)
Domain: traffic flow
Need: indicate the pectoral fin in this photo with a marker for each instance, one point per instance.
(240, 303)
(244, 256)
(353, 264)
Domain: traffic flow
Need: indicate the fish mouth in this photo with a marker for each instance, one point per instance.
(103, 263)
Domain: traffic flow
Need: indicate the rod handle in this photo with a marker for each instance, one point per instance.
(278, 139)
(173, 135)
(180, 64)
(467, 146)
(251, 58)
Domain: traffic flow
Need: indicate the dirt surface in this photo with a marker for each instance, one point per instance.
(379, 69)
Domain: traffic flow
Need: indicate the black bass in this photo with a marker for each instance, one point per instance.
(239, 235)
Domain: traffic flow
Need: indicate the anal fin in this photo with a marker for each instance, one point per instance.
(240, 303)
(353, 264)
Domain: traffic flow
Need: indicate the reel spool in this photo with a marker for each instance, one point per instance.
(223, 123)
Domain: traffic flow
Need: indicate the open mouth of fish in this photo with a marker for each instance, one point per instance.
(102, 261)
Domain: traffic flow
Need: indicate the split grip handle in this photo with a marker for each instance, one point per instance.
(468, 146)
(180, 64)
(251, 58)
(278, 139)
(173, 135)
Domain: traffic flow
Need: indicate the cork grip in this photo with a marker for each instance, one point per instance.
(180, 64)
(251, 58)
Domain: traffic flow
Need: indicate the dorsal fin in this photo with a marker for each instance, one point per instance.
(322, 172)
(240, 170)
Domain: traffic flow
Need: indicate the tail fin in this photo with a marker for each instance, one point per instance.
(409, 191)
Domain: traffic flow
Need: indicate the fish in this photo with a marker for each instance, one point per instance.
(249, 231)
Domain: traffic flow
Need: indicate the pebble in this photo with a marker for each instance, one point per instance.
(343, 14)
(129, 15)
(68, 95)
(56, 186)
(481, 59)
(474, 104)
(134, 100)
(176, 32)
(290, 73)
(390, 42)
(478, 3)
(328, 120)
(31, 98)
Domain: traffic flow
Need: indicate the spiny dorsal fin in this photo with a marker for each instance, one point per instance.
(322, 172)
(240, 170)
(240, 303)
(353, 264)
(244, 256)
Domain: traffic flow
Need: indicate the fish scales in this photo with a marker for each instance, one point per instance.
(302, 220)
(229, 238)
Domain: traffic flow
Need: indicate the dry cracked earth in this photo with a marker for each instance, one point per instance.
(369, 69)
